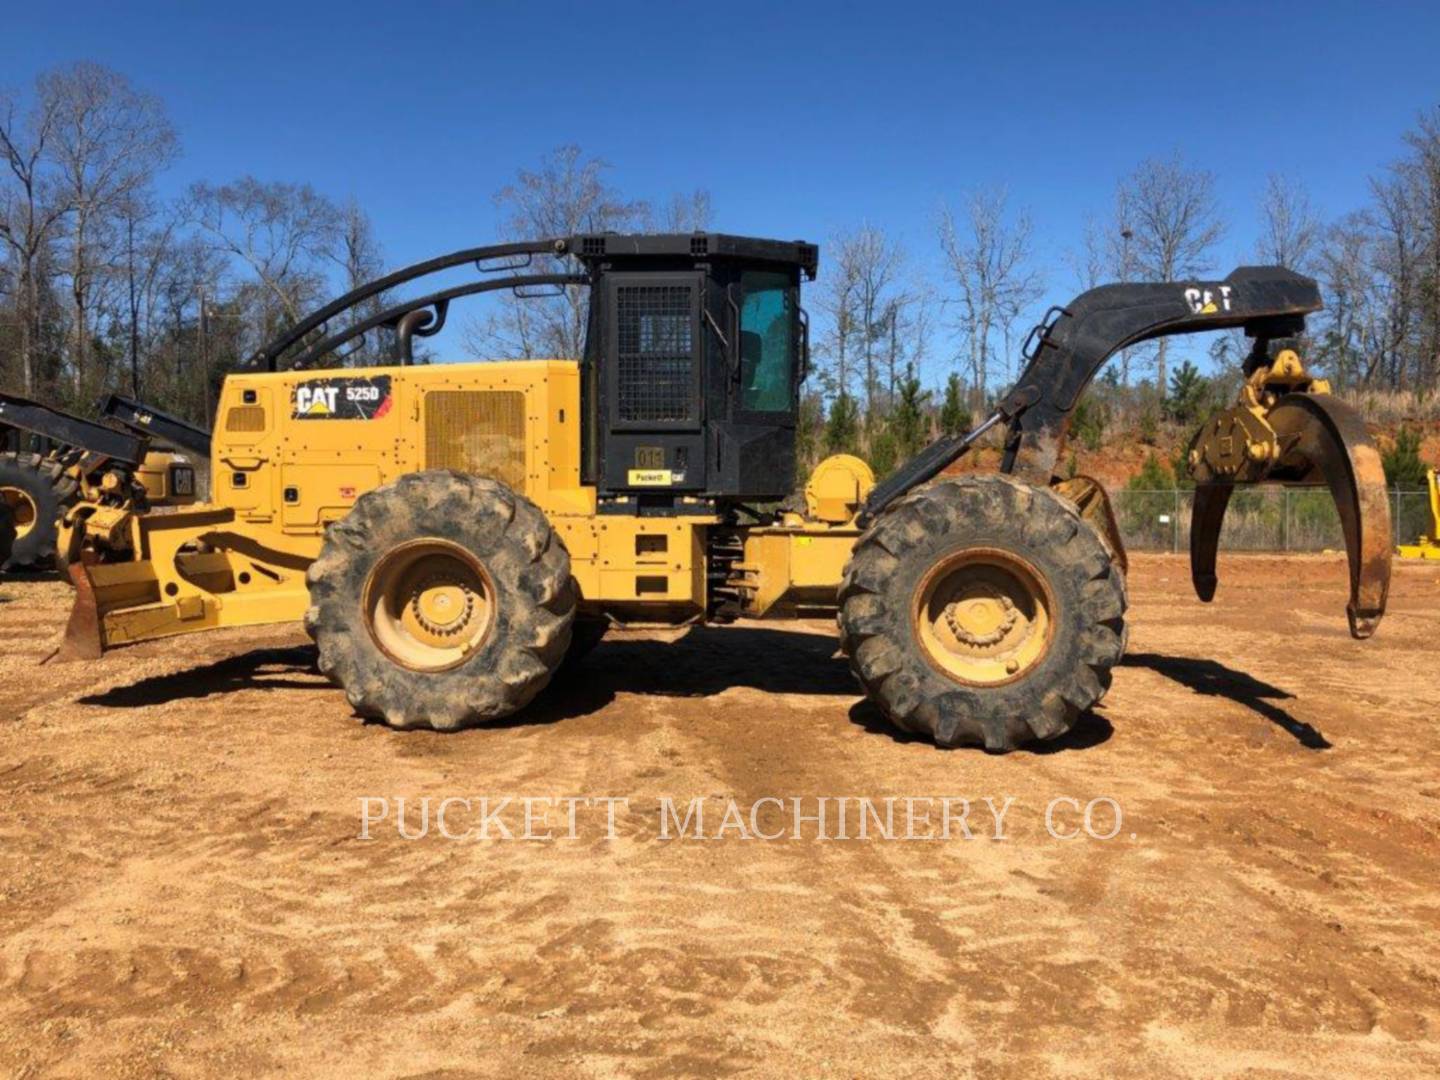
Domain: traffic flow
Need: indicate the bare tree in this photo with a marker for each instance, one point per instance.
(1289, 230)
(1349, 343)
(1105, 256)
(362, 260)
(987, 259)
(873, 321)
(283, 234)
(110, 140)
(1170, 212)
(1418, 175)
(1398, 257)
(565, 195)
(32, 211)
(877, 261)
(836, 296)
(146, 247)
(1090, 263)
(680, 213)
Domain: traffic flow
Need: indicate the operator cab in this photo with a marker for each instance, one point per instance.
(696, 346)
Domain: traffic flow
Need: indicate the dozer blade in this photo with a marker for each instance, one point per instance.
(83, 640)
(1319, 439)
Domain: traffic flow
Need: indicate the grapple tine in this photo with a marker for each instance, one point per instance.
(1323, 438)
(1206, 518)
(83, 640)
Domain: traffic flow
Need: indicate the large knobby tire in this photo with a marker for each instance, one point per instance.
(7, 531)
(585, 635)
(442, 600)
(36, 492)
(981, 610)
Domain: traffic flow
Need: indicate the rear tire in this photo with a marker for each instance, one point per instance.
(36, 492)
(443, 600)
(981, 610)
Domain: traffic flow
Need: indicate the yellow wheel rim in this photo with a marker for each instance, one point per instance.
(984, 617)
(429, 605)
(22, 509)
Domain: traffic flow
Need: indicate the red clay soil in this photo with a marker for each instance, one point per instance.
(184, 889)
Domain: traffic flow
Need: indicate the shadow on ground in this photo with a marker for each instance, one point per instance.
(1214, 679)
(701, 662)
(258, 669)
(1091, 729)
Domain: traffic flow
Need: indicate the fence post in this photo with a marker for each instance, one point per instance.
(1285, 521)
(1175, 525)
(1395, 524)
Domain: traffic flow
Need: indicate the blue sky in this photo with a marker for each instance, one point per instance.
(798, 118)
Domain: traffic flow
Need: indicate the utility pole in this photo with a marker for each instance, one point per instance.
(204, 360)
(134, 306)
(1126, 235)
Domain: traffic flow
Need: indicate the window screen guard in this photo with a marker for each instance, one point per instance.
(656, 351)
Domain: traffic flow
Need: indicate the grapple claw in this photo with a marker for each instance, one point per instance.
(1304, 437)
(1322, 438)
(1206, 518)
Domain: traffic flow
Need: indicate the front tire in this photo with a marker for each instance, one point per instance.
(442, 600)
(981, 610)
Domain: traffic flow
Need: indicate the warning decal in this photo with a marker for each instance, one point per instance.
(341, 398)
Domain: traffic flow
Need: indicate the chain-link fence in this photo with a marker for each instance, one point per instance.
(1258, 519)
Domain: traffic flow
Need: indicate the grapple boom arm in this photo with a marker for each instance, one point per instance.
(1072, 347)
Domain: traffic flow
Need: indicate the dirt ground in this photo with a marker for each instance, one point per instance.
(184, 889)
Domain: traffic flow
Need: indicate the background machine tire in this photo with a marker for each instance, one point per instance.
(7, 531)
(981, 610)
(36, 491)
(441, 601)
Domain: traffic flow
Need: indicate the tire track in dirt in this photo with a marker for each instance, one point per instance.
(180, 874)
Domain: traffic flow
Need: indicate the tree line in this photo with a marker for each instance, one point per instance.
(105, 285)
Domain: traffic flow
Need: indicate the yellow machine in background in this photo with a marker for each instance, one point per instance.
(1428, 545)
(122, 461)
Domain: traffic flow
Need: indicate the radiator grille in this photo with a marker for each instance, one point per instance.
(477, 431)
(655, 353)
(245, 418)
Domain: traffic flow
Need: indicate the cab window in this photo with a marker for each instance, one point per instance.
(767, 341)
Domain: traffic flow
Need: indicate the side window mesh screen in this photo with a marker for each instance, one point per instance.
(656, 353)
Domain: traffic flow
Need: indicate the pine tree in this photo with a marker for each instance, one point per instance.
(955, 416)
(908, 422)
(1404, 469)
(1188, 391)
(842, 427)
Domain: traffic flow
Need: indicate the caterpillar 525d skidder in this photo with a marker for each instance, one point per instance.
(448, 533)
